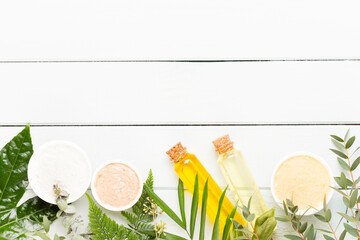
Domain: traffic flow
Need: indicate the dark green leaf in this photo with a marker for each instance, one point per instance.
(303, 227)
(181, 201)
(351, 230)
(203, 211)
(355, 164)
(342, 235)
(164, 206)
(350, 142)
(310, 232)
(15, 221)
(339, 153)
(194, 206)
(339, 139)
(343, 164)
(215, 232)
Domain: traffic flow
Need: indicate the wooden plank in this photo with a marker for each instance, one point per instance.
(145, 147)
(111, 29)
(266, 92)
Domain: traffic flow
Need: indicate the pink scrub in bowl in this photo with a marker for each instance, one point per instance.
(116, 185)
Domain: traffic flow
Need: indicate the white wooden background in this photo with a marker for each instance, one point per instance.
(128, 79)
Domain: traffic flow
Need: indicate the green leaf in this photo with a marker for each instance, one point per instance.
(194, 206)
(164, 206)
(203, 211)
(327, 215)
(346, 134)
(347, 217)
(285, 208)
(328, 237)
(346, 202)
(339, 191)
(46, 224)
(355, 164)
(265, 224)
(138, 208)
(339, 153)
(353, 198)
(351, 230)
(215, 232)
(320, 217)
(16, 221)
(339, 139)
(339, 145)
(42, 235)
(343, 164)
(181, 201)
(310, 232)
(104, 227)
(303, 227)
(342, 235)
(292, 237)
(228, 223)
(350, 142)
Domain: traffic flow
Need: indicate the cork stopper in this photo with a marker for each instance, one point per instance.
(223, 144)
(177, 152)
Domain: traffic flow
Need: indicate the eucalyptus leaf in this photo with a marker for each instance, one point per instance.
(265, 225)
(353, 198)
(327, 215)
(339, 145)
(339, 153)
(16, 221)
(293, 237)
(342, 235)
(328, 237)
(343, 164)
(351, 230)
(355, 164)
(350, 142)
(337, 138)
(347, 217)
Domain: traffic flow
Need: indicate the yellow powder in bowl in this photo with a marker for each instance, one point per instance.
(304, 180)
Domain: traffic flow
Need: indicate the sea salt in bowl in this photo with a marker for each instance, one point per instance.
(62, 163)
(116, 185)
(304, 178)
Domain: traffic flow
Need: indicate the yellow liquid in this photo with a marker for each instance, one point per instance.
(186, 169)
(241, 181)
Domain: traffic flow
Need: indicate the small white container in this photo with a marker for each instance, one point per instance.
(107, 206)
(62, 163)
(311, 211)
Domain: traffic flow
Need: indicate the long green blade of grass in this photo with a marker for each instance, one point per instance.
(181, 201)
(203, 211)
(215, 232)
(194, 206)
(164, 206)
(228, 223)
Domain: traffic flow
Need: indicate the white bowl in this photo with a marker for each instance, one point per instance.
(107, 206)
(318, 158)
(46, 169)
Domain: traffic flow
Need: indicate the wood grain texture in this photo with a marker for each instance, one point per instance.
(158, 29)
(266, 92)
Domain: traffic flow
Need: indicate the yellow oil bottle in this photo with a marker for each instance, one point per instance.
(187, 166)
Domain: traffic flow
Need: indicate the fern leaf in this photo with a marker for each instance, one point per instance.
(103, 227)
